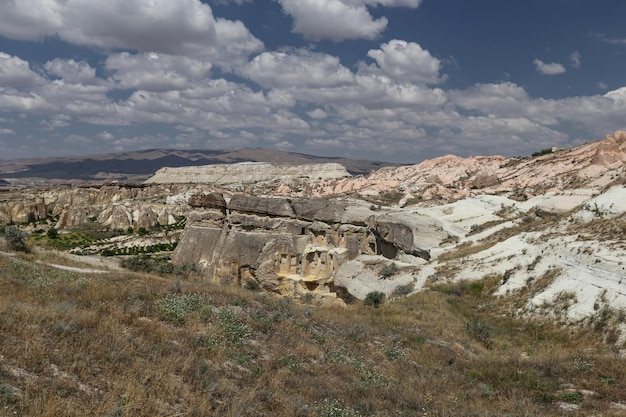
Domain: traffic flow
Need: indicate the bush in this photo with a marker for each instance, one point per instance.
(480, 331)
(52, 233)
(388, 270)
(235, 331)
(16, 238)
(138, 264)
(403, 290)
(148, 264)
(374, 298)
(542, 152)
(177, 307)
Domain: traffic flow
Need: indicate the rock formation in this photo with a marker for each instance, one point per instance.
(486, 177)
(295, 246)
(21, 208)
(608, 152)
(248, 173)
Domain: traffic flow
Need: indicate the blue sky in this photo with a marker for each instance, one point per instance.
(395, 80)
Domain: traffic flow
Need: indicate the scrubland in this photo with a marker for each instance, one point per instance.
(136, 344)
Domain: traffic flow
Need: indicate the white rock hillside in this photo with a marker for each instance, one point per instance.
(248, 173)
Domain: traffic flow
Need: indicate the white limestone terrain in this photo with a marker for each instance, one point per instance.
(248, 173)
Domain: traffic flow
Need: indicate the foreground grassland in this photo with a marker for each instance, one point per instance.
(128, 344)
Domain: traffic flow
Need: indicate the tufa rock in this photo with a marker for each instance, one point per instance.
(248, 173)
(486, 177)
(608, 153)
(620, 137)
(210, 200)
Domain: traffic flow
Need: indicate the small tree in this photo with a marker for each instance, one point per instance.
(52, 233)
(16, 238)
(374, 298)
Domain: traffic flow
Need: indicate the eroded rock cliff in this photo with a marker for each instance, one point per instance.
(296, 246)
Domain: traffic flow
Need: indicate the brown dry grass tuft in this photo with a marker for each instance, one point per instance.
(124, 344)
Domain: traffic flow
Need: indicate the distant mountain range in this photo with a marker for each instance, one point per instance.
(139, 165)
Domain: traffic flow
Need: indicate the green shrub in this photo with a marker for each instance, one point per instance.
(574, 397)
(388, 270)
(292, 363)
(138, 263)
(542, 152)
(403, 290)
(52, 233)
(7, 395)
(16, 238)
(177, 307)
(480, 331)
(235, 331)
(393, 352)
(374, 298)
(147, 263)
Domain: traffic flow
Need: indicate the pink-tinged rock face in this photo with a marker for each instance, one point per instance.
(450, 177)
(608, 153)
(620, 137)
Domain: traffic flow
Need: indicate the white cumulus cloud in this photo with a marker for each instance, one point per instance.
(181, 27)
(335, 20)
(549, 69)
(317, 114)
(302, 69)
(156, 72)
(76, 72)
(407, 61)
(16, 73)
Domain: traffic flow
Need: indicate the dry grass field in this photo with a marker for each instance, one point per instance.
(128, 344)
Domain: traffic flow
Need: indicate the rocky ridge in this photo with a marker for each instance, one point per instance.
(451, 177)
(248, 173)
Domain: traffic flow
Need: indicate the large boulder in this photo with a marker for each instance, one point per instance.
(410, 233)
(486, 177)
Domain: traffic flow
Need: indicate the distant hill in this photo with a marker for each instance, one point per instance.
(139, 165)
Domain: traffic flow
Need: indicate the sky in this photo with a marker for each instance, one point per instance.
(391, 80)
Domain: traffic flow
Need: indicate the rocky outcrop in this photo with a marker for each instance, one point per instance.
(21, 208)
(608, 152)
(207, 200)
(486, 177)
(270, 206)
(248, 173)
(620, 137)
(295, 246)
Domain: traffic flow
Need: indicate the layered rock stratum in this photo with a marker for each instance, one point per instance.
(248, 173)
